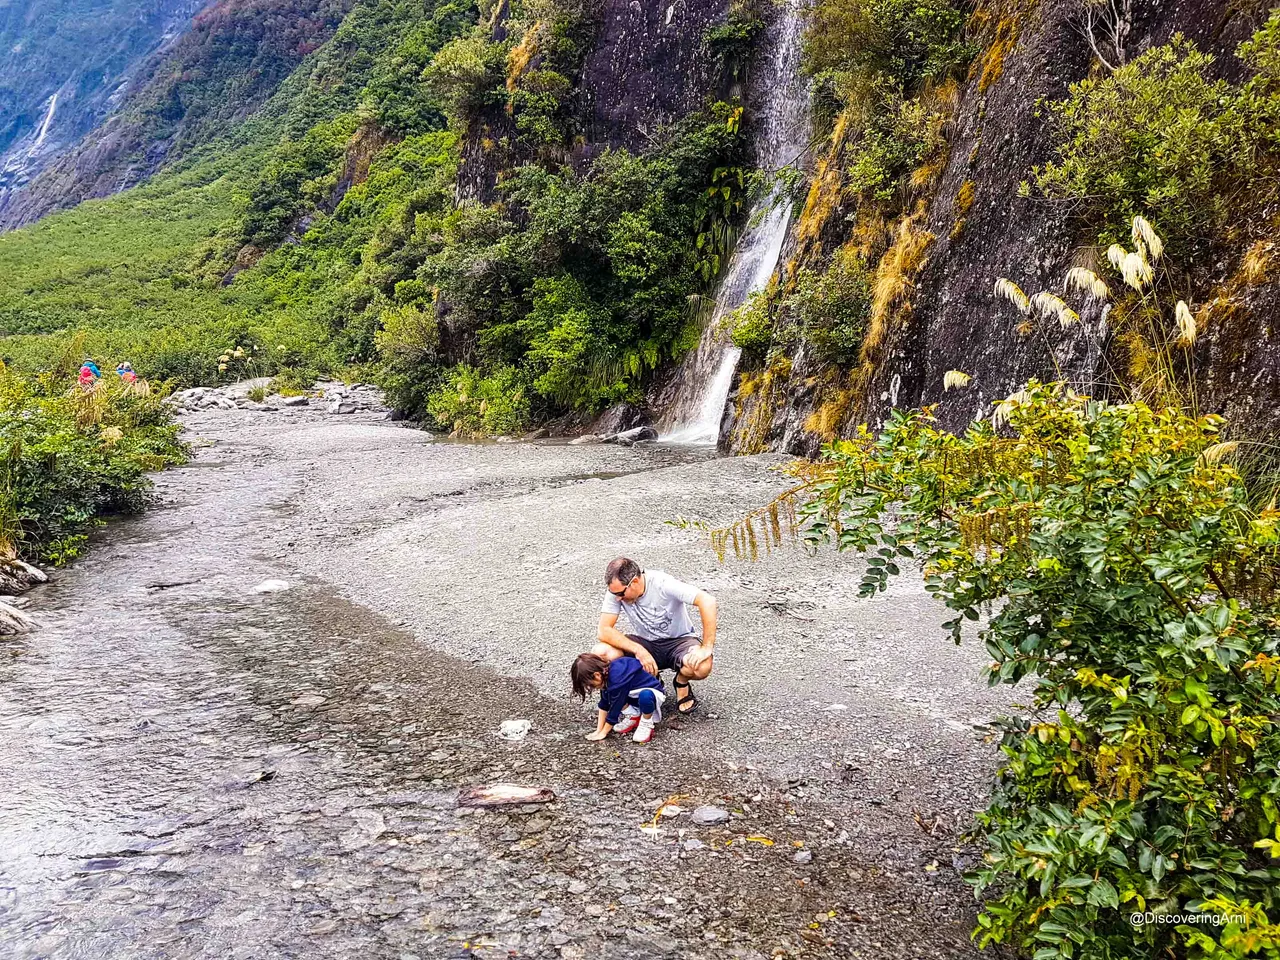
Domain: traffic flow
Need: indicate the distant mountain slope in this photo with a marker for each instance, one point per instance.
(64, 65)
(188, 91)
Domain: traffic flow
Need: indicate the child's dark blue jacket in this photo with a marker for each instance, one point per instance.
(625, 675)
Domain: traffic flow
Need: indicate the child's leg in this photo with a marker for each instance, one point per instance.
(647, 703)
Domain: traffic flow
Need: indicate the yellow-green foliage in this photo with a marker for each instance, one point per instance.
(758, 397)
(69, 455)
(991, 65)
(894, 281)
(832, 414)
(1165, 133)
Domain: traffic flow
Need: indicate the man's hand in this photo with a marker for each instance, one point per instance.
(646, 660)
(597, 734)
(697, 656)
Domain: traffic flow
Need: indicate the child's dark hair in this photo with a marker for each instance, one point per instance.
(584, 668)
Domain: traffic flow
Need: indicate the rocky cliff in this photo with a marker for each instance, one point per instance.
(971, 219)
(65, 65)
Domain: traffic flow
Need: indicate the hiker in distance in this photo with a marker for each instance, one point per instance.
(656, 605)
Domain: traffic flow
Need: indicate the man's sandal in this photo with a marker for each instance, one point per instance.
(687, 698)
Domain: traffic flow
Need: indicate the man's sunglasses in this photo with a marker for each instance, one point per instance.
(619, 593)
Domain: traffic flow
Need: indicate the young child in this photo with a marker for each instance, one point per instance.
(630, 698)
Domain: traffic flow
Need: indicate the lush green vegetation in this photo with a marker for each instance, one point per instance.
(324, 233)
(829, 308)
(1125, 576)
(172, 274)
(578, 284)
(69, 456)
(1162, 134)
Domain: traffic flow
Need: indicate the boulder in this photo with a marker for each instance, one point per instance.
(342, 406)
(540, 434)
(585, 439)
(13, 621)
(294, 401)
(617, 419)
(634, 435)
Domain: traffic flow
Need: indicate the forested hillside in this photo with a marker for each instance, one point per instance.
(514, 212)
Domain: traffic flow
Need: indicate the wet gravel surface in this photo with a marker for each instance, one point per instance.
(192, 769)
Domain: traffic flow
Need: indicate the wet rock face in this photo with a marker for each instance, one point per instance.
(998, 135)
(649, 66)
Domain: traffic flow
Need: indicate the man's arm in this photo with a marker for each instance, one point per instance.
(608, 633)
(707, 608)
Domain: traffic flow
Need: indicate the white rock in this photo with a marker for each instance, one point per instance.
(514, 729)
(271, 586)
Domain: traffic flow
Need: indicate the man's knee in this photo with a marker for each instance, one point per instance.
(700, 672)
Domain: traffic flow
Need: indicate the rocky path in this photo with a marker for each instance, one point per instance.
(193, 769)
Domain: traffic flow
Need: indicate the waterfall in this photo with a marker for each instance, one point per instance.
(44, 127)
(706, 375)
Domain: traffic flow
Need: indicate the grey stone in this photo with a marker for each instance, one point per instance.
(619, 417)
(295, 401)
(706, 816)
(803, 856)
(342, 406)
(585, 439)
(634, 435)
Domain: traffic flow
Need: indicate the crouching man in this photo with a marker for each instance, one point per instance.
(657, 608)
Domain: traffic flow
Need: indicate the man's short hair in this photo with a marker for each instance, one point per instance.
(622, 569)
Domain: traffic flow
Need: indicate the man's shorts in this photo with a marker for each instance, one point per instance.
(667, 654)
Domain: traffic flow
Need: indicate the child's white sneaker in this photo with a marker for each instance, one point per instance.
(630, 718)
(644, 730)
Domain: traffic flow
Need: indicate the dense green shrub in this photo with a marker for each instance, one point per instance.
(903, 41)
(1123, 573)
(582, 281)
(751, 326)
(732, 43)
(833, 307)
(1161, 134)
(401, 100)
(473, 403)
(70, 456)
(896, 138)
(299, 178)
(467, 75)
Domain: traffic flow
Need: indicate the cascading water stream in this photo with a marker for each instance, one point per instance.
(706, 376)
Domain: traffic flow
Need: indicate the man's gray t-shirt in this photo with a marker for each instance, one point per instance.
(660, 613)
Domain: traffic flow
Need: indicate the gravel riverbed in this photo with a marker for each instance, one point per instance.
(193, 769)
